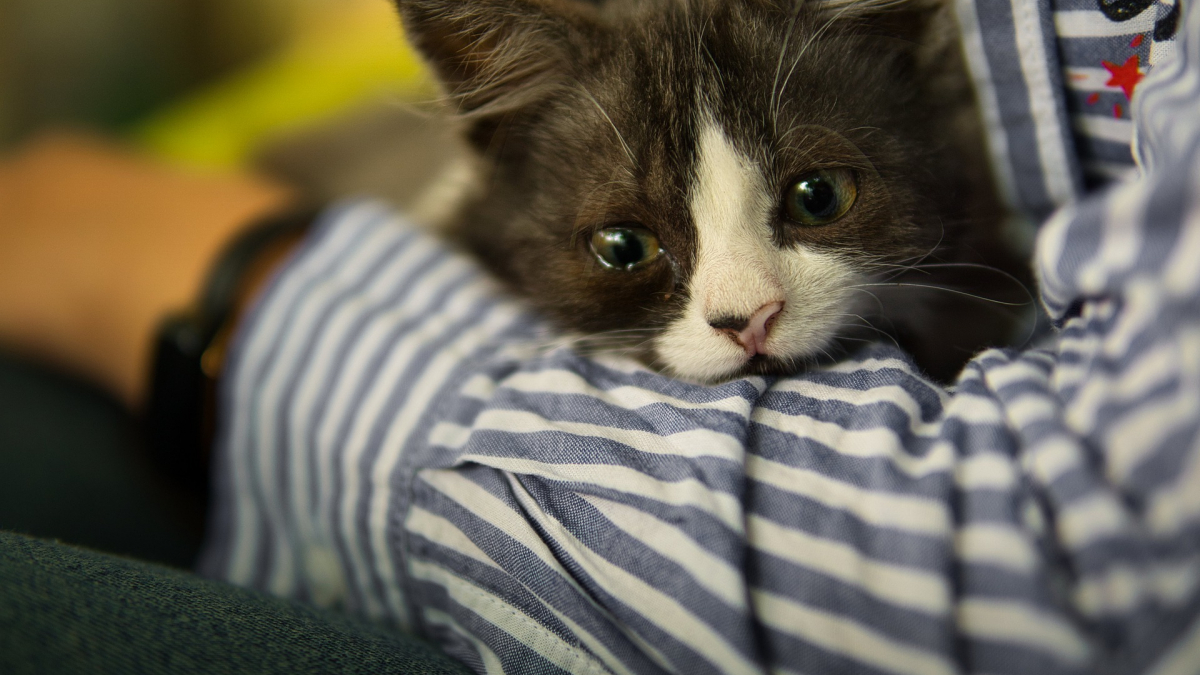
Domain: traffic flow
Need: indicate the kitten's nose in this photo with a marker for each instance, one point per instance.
(750, 333)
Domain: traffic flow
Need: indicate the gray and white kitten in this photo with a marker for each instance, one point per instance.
(725, 187)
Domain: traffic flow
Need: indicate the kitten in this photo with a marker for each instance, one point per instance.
(727, 187)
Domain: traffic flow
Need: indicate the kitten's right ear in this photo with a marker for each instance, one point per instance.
(494, 55)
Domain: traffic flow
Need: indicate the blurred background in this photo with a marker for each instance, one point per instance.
(119, 117)
(202, 82)
(136, 138)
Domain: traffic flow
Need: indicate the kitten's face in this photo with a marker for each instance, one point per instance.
(708, 184)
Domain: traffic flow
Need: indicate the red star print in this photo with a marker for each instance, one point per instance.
(1125, 76)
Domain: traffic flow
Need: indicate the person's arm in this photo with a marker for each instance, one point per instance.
(97, 244)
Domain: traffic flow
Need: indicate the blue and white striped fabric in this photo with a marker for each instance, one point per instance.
(1103, 59)
(1049, 75)
(1012, 52)
(402, 441)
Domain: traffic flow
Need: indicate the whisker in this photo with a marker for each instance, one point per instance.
(775, 90)
(819, 33)
(621, 138)
(978, 266)
(952, 290)
(867, 324)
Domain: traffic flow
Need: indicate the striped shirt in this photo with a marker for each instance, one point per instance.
(1104, 50)
(402, 441)
(1055, 79)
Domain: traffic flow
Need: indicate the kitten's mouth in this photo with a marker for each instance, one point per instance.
(759, 362)
(765, 364)
(718, 354)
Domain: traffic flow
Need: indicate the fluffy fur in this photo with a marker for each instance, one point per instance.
(692, 118)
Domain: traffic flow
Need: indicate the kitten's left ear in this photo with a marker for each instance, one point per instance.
(497, 54)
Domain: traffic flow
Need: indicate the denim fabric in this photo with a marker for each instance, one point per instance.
(69, 610)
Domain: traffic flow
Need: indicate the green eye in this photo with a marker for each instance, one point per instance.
(821, 197)
(625, 247)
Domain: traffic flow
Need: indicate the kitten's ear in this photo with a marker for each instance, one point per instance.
(497, 54)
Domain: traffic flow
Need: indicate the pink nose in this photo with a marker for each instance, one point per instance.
(750, 334)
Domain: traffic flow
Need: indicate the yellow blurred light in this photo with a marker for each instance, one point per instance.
(343, 53)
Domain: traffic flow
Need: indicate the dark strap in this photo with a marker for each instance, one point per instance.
(179, 411)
